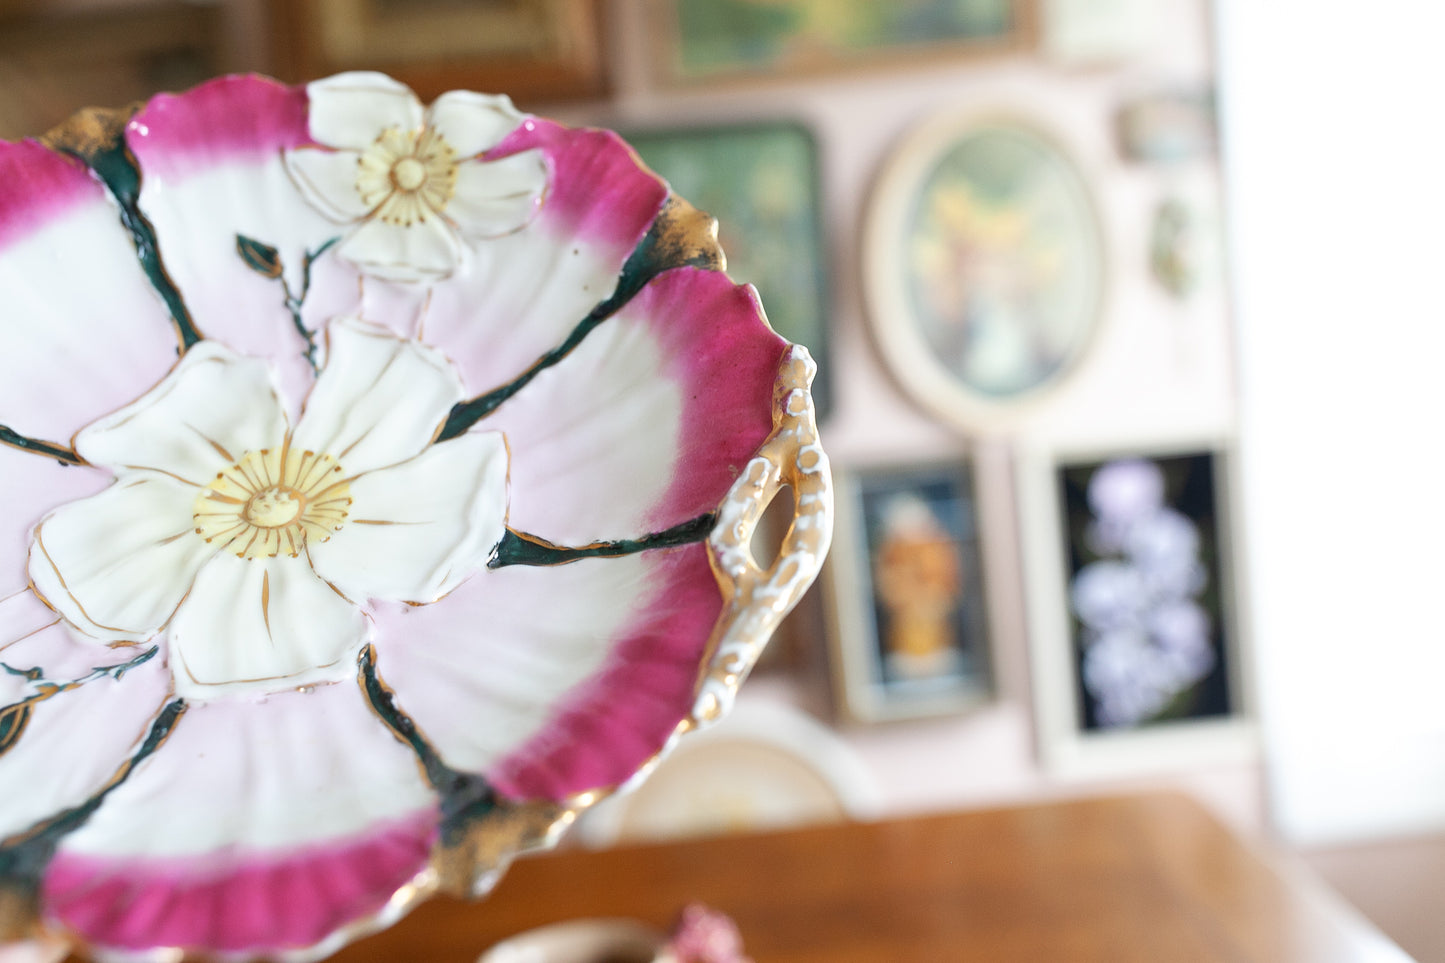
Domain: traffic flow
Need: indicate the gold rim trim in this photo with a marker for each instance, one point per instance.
(91, 131)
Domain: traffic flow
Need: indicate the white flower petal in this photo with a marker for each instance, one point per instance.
(351, 110)
(117, 564)
(419, 529)
(498, 197)
(212, 408)
(327, 179)
(419, 251)
(472, 122)
(262, 620)
(379, 400)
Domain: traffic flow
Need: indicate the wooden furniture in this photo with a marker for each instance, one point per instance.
(1152, 878)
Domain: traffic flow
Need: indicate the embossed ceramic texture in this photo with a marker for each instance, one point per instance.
(377, 486)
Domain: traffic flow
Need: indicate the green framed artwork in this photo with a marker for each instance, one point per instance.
(711, 39)
(760, 180)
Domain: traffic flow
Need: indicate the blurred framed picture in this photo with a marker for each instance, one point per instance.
(709, 40)
(760, 180)
(983, 268)
(56, 59)
(531, 50)
(1168, 127)
(904, 585)
(1133, 615)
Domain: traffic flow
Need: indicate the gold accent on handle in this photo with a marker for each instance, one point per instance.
(756, 599)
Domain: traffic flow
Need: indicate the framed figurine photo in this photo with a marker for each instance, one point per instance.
(983, 268)
(905, 590)
(1133, 615)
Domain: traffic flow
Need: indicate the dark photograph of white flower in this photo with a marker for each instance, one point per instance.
(1146, 590)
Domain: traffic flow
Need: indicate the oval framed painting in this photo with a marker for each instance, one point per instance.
(983, 268)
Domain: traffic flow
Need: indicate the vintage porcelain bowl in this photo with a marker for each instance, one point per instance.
(378, 484)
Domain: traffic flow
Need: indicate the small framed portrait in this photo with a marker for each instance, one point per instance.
(760, 180)
(1168, 126)
(983, 268)
(910, 630)
(704, 41)
(1133, 612)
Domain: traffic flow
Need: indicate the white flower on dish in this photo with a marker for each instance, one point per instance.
(411, 180)
(254, 543)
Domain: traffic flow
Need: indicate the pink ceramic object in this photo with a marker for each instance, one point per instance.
(378, 483)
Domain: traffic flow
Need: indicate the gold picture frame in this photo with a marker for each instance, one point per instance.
(532, 50)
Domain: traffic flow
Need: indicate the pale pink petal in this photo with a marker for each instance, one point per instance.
(472, 122)
(212, 168)
(93, 332)
(118, 563)
(259, 826)
(327, 179)
(498, 197)
(351, 110)
(62, 755)
(558, 681)
(419, 251)
(646, 424)
(418, 529)
(379, 401)
(212, 409)
(262, 620)
(522, 294)
(30, 486)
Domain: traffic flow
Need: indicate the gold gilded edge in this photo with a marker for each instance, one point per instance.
(683, 234)
(91, 131)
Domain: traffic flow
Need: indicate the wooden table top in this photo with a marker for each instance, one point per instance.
(1151, 878)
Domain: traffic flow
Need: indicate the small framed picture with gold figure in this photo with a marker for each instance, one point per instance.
(909, 620)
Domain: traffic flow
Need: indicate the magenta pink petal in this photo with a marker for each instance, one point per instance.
(597, 193)
(39, 185)
(523, 294)
(240, 118)
(258, 904)
(602, 450)
(66, 265)
(619, 719)
(717, 345)
(508, 637)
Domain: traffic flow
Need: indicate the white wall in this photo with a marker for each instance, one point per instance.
(1335, 163)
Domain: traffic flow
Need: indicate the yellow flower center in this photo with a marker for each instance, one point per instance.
(273, 501)
(407, 176)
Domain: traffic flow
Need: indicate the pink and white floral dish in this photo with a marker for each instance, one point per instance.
(378, 483)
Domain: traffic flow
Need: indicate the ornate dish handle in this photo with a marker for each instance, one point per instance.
(757, 599)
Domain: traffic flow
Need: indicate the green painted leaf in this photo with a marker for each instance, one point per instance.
(13, 719)
(261, 258)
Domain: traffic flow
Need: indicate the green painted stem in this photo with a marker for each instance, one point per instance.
(49, 449)
(516, 548)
